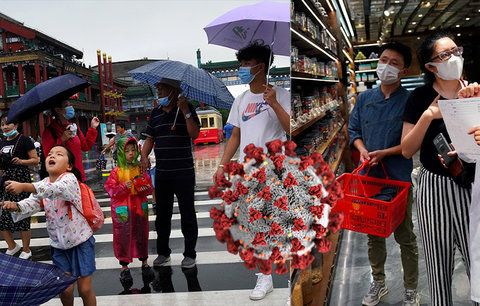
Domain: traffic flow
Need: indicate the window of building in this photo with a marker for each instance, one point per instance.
(10, 40)
(204, 122)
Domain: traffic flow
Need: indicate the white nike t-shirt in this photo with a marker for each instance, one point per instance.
(257, 121)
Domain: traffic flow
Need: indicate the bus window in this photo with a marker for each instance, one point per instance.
(211, 121)
(204, 123)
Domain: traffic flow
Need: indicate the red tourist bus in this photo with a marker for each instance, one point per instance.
(211, 129)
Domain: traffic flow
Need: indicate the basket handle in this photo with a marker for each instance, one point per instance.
(356, 173)
(370, 167)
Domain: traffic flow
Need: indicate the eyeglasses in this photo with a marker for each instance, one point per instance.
(445, 55)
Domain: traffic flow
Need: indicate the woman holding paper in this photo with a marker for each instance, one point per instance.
(443, 194)
(473, 90)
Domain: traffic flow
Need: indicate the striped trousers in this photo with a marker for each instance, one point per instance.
(443, 217)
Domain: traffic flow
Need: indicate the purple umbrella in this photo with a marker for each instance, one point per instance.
(266, 22)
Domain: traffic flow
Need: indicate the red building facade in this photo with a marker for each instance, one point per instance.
(29, 57)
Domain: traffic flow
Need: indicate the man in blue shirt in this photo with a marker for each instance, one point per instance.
(375, 130)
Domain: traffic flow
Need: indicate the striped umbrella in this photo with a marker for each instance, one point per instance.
(196, 84)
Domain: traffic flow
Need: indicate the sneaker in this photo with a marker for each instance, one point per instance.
(411, 298)
(375, 293)
(262, 288)
(188, 263)
(14, 251)
(161, 261)
(25, 255)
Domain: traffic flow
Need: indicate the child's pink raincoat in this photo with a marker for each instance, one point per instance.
(129, 208)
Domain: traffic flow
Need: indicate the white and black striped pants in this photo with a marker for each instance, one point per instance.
(443, 217)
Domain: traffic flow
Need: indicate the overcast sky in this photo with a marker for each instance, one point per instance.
(130, 29)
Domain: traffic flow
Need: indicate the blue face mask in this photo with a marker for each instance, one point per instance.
(245, 74)
(164, 101)
(11, 133)
(69, 112)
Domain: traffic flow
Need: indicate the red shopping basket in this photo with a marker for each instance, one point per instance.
(368, 215)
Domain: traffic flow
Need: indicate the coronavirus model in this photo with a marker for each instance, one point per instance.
(276, 207)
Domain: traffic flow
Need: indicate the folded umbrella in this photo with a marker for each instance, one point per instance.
(45, 95)
(24, 282)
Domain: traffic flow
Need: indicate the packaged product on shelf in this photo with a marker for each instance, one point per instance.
(301, 63)
(314, 66)
(358, 77)
(294, 54)
(297, 105)
(360, 56)
(310, 28)
(303, 22)
(307, 104)
(321, 69)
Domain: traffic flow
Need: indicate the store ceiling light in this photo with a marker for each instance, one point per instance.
(330, 5)
(409, 31)
(459, 34)
(346, 36)
(433, 28)
(467, 19)
(346, 18)
(414, 23)
(386, 13)
(420, 15)
(397, 1)
(418, 37)
(347, 55)
(457, 26)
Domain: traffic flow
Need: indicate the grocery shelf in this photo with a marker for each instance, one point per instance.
(367, 60)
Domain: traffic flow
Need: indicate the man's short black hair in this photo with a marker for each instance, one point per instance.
(121, 124)
(255, 51)
(400, 48)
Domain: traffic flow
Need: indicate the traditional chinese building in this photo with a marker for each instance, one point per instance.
(137, 99)
(28, 57)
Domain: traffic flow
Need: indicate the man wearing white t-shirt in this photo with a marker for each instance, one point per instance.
(259, 115)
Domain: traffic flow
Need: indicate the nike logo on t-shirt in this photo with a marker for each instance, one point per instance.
(252, 110)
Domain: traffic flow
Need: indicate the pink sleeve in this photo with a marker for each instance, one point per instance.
(114, 188)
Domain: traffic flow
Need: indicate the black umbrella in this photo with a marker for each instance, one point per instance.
(45, 95)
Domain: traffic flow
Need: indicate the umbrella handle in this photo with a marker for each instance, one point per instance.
(271, 50)
(175, 121)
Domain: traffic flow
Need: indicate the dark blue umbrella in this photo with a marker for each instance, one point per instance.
(196, 84)
(45, 95)
(25, 282)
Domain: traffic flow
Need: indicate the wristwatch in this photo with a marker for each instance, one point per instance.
(187, 116)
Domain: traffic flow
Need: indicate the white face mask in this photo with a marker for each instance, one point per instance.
(388, 74)
(451, 69)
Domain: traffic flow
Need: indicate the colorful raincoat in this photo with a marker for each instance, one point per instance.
(129, 207)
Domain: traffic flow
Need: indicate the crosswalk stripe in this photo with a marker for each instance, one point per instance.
(176, 233)
(175, 204)
(220, 257)
(104, 194)
(279, 296)
(200, 215)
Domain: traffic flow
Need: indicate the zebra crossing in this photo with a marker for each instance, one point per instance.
(218, 277)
